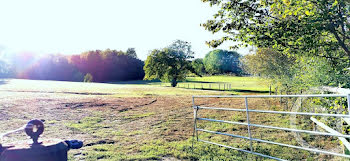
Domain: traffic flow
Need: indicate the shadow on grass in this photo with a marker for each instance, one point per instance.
(232, 90)
(249, 91)
(136, 82)
(188, 81)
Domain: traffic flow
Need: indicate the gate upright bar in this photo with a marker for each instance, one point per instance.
(248, 122)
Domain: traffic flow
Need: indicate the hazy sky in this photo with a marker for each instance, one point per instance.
(74, 26)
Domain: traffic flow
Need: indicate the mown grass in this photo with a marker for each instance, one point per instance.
(114, 89)
(223, 83)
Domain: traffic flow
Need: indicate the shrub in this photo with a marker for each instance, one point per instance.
(88, 78)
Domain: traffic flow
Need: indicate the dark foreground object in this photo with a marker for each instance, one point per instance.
(47, 150)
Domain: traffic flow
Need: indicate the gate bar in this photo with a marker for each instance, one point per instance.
(271, 96)
(238, 149)
(278, 128)
(275, 143)
(276, 112)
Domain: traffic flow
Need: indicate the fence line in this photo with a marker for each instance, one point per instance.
(248, 124)
(208, 86)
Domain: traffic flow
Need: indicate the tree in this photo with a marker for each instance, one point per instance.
(222, 61)
(52, 67)
(198, 66)
(313, 27)
(293, 73)
(88, 78)
(183, 48)
(169, 64)
(5, 69)
(314, 30)
(109, 65)
(131, 52)
(268, 63)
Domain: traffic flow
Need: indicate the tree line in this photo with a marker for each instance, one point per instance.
(99, 65)
(170, 64)
(175, 62)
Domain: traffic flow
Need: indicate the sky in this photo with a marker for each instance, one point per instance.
(75, 26)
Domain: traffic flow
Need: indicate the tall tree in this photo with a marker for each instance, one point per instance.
(131, 52)
(293, 73)
(169, 64)
(268, 63)
(222, 61)
(307, 27)
(198, 66)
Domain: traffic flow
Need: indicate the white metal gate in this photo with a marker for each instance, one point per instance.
(248, 124)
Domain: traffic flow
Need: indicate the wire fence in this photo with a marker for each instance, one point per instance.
(203, 86)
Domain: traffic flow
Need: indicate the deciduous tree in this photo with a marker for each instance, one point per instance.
(307, 27)
(222, 61)
(170, 64)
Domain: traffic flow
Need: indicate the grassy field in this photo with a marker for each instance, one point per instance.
(144, 121)
(227, 83)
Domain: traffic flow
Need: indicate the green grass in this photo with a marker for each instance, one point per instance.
(138, 116)
(115, 89)
(143, 88)
(226, 83)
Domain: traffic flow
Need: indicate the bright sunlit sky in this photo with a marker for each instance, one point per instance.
(74, 26)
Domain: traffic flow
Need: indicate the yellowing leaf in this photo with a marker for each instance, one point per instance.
(307, 13)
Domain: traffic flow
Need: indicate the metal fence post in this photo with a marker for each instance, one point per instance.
(195, 132)
(348, 98)
(248, 122)
(195, 111)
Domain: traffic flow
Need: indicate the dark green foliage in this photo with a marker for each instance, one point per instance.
(315, 33)
(296, 27)
(131, 52)
(198, 66)
(222, 61)
(169, 64)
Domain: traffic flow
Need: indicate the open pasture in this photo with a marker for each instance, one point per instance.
(142, 122)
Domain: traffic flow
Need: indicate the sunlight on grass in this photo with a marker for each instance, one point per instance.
(236, 83)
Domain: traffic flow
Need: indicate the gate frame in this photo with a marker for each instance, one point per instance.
(251, 151)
